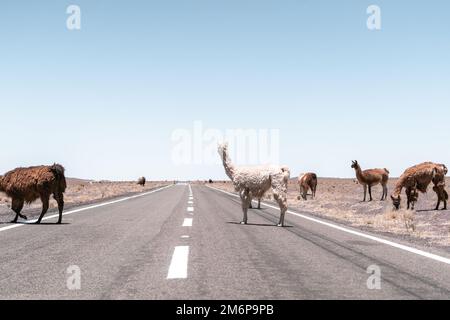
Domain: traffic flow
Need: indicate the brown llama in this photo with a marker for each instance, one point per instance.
(370, 178)
(419, 178)
(141, 181)
(307, 181)
(25, 185)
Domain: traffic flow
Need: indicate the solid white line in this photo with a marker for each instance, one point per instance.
(190, 209)
(84, 208)
(178, 265)
(187, 222)
(357, 233)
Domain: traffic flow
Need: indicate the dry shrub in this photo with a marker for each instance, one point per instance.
(409, 220)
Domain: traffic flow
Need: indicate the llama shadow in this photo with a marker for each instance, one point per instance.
(257, 224)
(34, 224)
(49, 224)
(431, 210)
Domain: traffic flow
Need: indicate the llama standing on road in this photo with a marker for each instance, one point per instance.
(25, 185)
(419, 178)
(370, 178)
(254, 180)
(307, 181)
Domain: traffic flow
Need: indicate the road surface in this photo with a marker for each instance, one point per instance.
(186, 242)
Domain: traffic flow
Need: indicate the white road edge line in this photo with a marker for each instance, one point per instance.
(187, 222)
(357, 233)
(178, 265)
(85, 208)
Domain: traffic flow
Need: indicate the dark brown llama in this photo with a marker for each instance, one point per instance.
(25, 185)
(141, 181)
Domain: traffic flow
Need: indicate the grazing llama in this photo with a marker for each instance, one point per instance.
(418, 178)
(252, 181)
(25, 185)
(370, 178)
(307, 181)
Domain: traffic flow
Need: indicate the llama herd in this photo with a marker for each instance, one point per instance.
(25, 185)
(255, 181)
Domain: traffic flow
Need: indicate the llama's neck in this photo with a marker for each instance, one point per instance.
(398, 187)
(228, 165)
(359, 174)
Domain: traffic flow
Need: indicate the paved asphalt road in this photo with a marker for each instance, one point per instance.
(124, 250)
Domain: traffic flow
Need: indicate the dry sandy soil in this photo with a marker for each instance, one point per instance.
(80, 192)
(341, 200)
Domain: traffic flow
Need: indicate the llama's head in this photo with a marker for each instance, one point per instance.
(396, 201)
(222, 148)
(355, 164)
(443, 169)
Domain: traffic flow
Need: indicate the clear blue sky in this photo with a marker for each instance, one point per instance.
(105, 100)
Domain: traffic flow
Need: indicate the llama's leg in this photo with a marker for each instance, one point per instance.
(365, 192)
(17, 206)
(279, 190)
(384, 192)
(438, 193)
(408, 198)
(370, 193)
(413, 198)
(282, 203)
(45, 201)
(445, 194)
(60, 200)
(245, 199)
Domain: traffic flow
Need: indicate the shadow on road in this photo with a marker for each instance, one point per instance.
(257, 224)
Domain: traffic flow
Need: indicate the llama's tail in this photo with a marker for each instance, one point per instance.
(58, 172)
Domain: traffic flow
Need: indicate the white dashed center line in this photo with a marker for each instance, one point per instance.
(179, 263)
(187, 222)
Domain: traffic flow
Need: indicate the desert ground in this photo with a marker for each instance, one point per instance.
(81, 192)
(340, 200)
